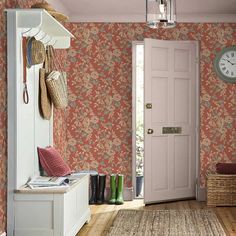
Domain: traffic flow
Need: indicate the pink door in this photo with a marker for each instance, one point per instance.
(170, 119)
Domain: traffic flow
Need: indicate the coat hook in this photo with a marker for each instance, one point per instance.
(43, 37)
(54, 42)
(26, 31)
(37, 33)
(48, 41)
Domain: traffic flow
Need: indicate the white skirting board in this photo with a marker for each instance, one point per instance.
(3, 234)
(127, 195)
(201, 194)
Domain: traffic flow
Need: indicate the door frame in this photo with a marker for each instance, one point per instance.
(197, 62)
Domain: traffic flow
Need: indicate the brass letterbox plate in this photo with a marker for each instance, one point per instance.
(171, 130)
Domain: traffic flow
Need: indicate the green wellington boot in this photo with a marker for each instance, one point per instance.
(113, 189)
(120, 189)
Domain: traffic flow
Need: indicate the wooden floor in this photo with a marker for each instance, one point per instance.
(103, 215)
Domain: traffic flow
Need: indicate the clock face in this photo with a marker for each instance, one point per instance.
(225, 64)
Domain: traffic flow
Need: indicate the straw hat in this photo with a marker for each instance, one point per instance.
(57, 15)
(35, 52)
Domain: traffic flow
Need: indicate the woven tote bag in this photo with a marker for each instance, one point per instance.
(45, 100)
(57, 88)
(56, 81)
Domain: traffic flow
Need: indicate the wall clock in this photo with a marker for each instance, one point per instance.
(225, 64)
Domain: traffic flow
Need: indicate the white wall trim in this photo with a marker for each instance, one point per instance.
(127, 194)
(141, 18)
(198, 161)
(201, 194)
(134, 44)
(206, 18)
(106, 18)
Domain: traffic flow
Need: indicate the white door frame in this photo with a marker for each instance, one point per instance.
(134, 44)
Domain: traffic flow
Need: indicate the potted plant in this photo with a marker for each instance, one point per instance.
(139, 163)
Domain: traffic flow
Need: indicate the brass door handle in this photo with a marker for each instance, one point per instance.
(149, 106)
(150, 131)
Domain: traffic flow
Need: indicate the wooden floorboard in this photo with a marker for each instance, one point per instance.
(104, 215)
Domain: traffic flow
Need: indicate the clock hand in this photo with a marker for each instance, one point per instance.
(229, 61)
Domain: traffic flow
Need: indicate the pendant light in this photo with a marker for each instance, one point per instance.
(161, 13)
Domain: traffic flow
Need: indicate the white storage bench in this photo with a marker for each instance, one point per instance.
(52, 212)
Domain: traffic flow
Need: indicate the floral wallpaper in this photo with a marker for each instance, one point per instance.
(100, 82)
(3, 119)
(95, 130)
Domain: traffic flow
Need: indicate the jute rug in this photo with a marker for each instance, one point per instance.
(166, 222)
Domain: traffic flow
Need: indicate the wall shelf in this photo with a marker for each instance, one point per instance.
(40, 22)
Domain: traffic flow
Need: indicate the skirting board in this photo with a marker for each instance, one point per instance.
(3, 234)
(127, 195)
(201, 194)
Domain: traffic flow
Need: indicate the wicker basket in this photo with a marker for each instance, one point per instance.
(221, 190)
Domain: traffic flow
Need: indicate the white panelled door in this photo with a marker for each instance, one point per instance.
(170, 119)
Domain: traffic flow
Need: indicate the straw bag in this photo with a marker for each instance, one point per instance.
(57, 87)
(45, 100)
(56, 81)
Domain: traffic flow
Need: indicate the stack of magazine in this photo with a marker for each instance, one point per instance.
(39, 182)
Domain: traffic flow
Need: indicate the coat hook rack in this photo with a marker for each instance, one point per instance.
(27, 31)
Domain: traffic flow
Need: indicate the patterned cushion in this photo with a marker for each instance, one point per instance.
(226, 168)
(52, 162)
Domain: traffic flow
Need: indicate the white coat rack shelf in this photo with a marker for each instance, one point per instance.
(39, 23)
(44, 213)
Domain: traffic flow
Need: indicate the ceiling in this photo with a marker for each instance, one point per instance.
(134, 10)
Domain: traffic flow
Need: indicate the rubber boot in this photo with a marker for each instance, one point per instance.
(101, 188)
(113, 189)
(120, 189)
(94, 188)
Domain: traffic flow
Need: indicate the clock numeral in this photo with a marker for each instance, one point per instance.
(227, 72)
(224, 68)
(232, 54)
(222, 64)
(232, 73)
(227, 55)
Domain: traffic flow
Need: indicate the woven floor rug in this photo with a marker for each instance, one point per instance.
(166, 222)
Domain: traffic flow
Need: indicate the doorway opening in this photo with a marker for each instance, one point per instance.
(138, 118)
(181, 127)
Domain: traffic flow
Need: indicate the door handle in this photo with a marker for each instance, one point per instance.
(149, 105)
(150, 131)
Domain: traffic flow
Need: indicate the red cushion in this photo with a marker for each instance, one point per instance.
(226, 168)
(52, 162)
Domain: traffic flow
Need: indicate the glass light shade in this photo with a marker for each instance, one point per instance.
(156, 12)
(171, 13)
(161, 13)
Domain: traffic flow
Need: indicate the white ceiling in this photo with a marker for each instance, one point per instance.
(134, 10)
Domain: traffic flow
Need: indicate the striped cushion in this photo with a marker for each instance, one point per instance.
(52, 162)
